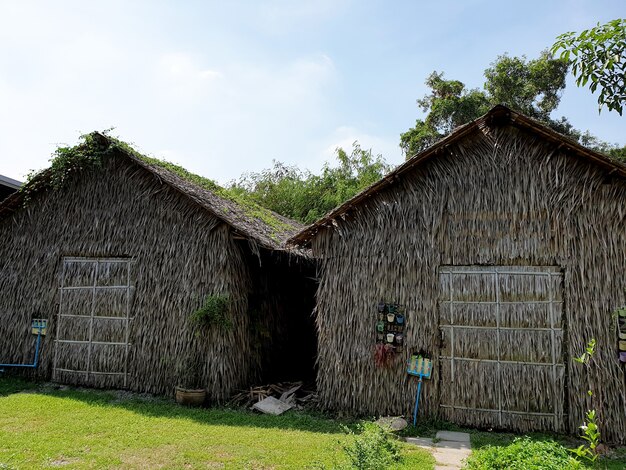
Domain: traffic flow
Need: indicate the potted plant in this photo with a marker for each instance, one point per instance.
(189, 390)
(213, 312)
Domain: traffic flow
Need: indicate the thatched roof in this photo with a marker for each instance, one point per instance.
(248, 219)
(498, 116)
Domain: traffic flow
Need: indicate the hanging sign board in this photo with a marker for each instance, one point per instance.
(420, 366)
(39, 326)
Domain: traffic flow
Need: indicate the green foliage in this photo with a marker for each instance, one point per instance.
(590, 430)
(373, 448)
(214, 311)
(532, 87)
(304, 196)
(598, 58)
(91, 151)
(250, 207)
(450, 105)
(591, 434)
(590, 349)
(592, 142)
(65, 162)
(523, 454)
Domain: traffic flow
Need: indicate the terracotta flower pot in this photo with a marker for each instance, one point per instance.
(190, 397)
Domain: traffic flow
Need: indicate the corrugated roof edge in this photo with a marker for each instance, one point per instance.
(10, 182)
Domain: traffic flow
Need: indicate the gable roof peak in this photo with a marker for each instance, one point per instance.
(498, 116)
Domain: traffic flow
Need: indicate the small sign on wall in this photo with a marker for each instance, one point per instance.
(39, 326)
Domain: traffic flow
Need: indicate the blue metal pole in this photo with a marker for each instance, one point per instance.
(36, 360)
(417, 400)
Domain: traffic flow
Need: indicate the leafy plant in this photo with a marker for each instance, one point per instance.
(598, 57)
(304, 196)
(214, 311)
(523, 454)
(590, 430)
(591, 434)
(590, 348)
(65, 162)
(532, 87)
(373, 448)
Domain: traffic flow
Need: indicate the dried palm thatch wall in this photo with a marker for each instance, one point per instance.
(500, 197)
(180, 254)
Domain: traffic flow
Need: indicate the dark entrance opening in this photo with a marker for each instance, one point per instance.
(281, 310)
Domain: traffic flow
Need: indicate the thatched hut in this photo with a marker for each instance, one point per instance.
(506, 244)
(116, 250)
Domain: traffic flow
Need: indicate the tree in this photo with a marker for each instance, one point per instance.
(304, 196)
(598, 57)
(531, 86)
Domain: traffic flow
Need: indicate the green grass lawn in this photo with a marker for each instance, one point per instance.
(42, 426)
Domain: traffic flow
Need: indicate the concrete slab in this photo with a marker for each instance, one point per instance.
(420, 441)
(453, 436)
(453, 445)
(272, 406)
(450, 453)
(450, 457)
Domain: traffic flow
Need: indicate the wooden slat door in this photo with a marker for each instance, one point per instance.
(92, 331)
(502, 359)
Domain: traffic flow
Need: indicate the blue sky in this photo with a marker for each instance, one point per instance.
(226, 87)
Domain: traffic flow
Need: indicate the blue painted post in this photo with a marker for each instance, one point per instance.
(422, 368)
(417, 400)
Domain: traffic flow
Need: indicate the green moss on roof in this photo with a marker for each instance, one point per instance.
(250, 208)
(92, 148)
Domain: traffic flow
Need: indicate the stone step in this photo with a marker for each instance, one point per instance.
(453, 436)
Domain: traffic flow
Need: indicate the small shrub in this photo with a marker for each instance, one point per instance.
(373, 448)
(523, 454)
(214, 311)
(590, 430)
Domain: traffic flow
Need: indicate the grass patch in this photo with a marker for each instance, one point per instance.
(76, 428)
(513, 451)
(524, 453)
(496, 450)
